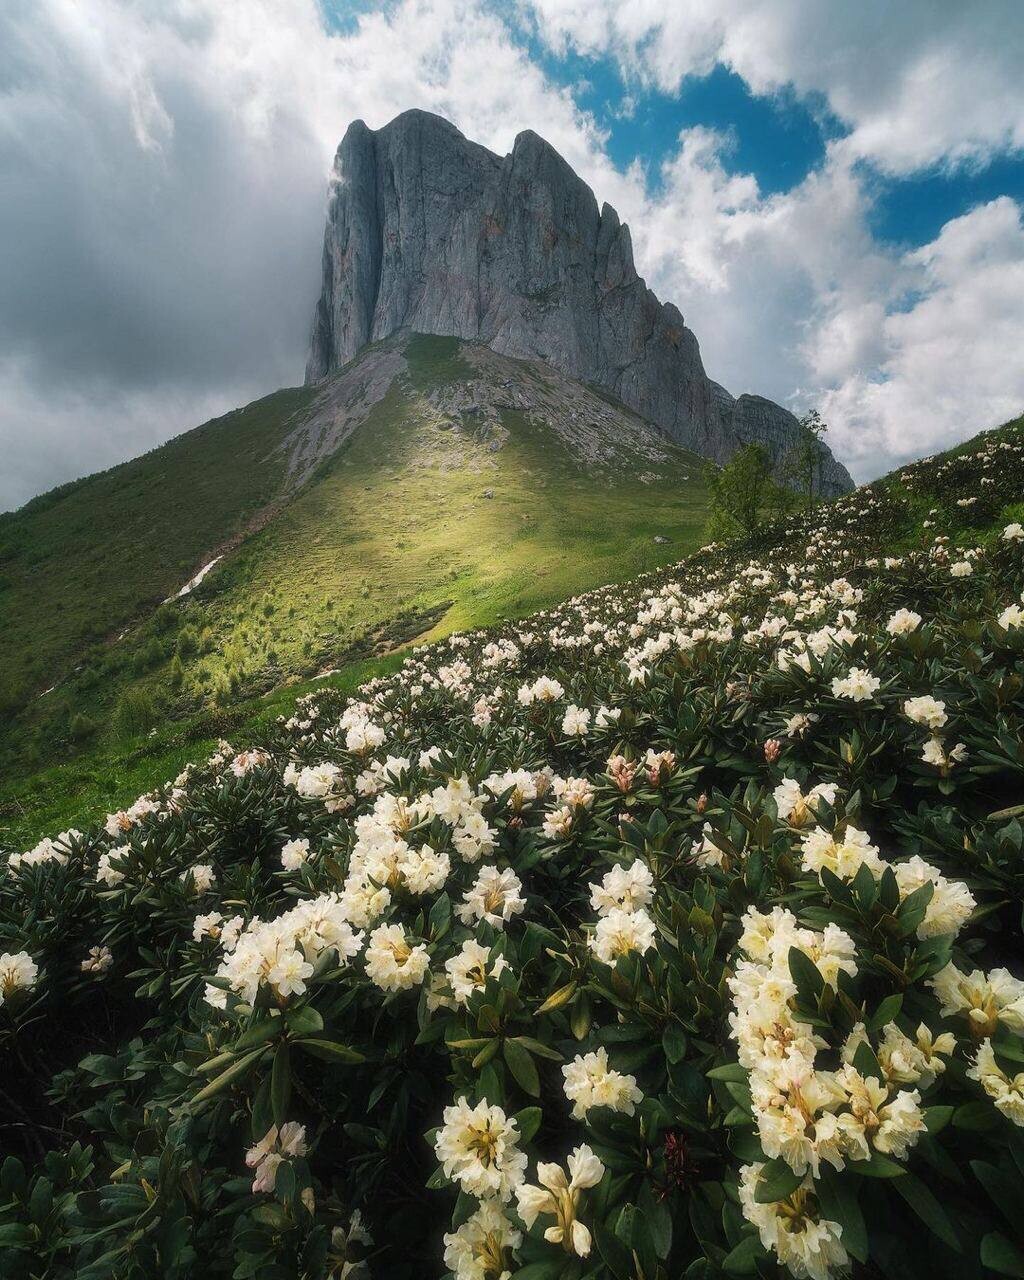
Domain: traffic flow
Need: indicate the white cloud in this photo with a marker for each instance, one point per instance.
(917, 83)
(164, 168)
(950, 365)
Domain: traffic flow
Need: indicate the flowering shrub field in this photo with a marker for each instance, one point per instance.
(673, 932)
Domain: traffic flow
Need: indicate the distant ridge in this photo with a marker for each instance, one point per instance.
(430, 232)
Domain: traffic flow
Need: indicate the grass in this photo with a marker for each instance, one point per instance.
(394, 541)
(77, 564)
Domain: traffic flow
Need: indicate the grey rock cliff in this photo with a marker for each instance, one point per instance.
(430, 232)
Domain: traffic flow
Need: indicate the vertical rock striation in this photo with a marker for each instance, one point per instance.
(430, 232)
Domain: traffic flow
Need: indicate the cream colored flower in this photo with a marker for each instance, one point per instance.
(478, 1148)
(558, 1196)
(479, 1249)
(392, 962)
(591, 1082)
(805, 1242)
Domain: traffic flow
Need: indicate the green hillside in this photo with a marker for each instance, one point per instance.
(423, 521)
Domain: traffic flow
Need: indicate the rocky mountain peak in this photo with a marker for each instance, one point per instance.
(431, 232)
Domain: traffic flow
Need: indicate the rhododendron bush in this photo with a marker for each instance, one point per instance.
(676, 931)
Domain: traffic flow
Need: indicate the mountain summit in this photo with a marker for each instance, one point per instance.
(431, 232)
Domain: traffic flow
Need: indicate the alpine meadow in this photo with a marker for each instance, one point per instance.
(510, 808)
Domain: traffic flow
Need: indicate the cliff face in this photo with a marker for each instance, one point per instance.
(430, 232)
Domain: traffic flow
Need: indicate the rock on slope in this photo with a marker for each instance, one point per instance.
(431, 232)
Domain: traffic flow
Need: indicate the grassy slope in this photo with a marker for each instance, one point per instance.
(395, 540)
(76, 563)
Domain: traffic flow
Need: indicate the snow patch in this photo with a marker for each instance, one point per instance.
(194, 582)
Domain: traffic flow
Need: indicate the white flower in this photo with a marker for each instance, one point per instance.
(591, 1082)
(294, 854)
(276, 1146)
(1012, 618)
(1013, 533)
(926, 710)
(796, 808)
(203, 877)
(98, 960)
(961, 569)
(558, 1195)
(626, 887)
(106, 872)
(478, 1249)
(576, 722)
(844, 856)
(858, 685)
(620, 932)
(542, 690)
(18, 972)
(903, 622)
(557, 824)
(392, 963)
(986, 1000)
(797, 725)
(288, 974)
(495, 896)
(809, 1245)
(606, 717)
(478, 1148)
(469, 969)
(1006, 1091)
(934, 752)
(951, 902)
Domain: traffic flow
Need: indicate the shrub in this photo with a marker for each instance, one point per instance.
(135, 713)
(187, 642)
(147, 656)
(81, 727)
(672, 932)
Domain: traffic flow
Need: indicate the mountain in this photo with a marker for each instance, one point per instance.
(429, 484)
(431, 232)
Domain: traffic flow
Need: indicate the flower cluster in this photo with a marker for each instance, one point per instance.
(683, 920)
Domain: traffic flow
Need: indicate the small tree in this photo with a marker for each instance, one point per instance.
(804, 461)
(739, 490)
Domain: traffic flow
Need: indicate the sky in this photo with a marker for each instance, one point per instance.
(831, 193)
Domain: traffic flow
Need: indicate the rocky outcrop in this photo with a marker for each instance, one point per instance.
(430, 232)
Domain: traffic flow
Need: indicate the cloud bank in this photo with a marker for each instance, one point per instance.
(164, 172)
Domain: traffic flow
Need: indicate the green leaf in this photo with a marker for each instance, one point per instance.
(1004, 1189)
(305, 1021)
(280, 1084)
(999, 1255)
(936, 1118)
(260, 1033)
(878, 1166)
(732, 1071)
(331, 1051)
(236, 1071)
(777, 1181)
(806, 975)
(657, 1219)
(888, 1009)
(742, 1261)
(977, 1115)
(617, 1258)
(522, 1066)
(528, 1121)
(673, 1042)
(866, 1063)
(838, 1199)
(928, 1209)
(541, 1050)
(558, 998)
